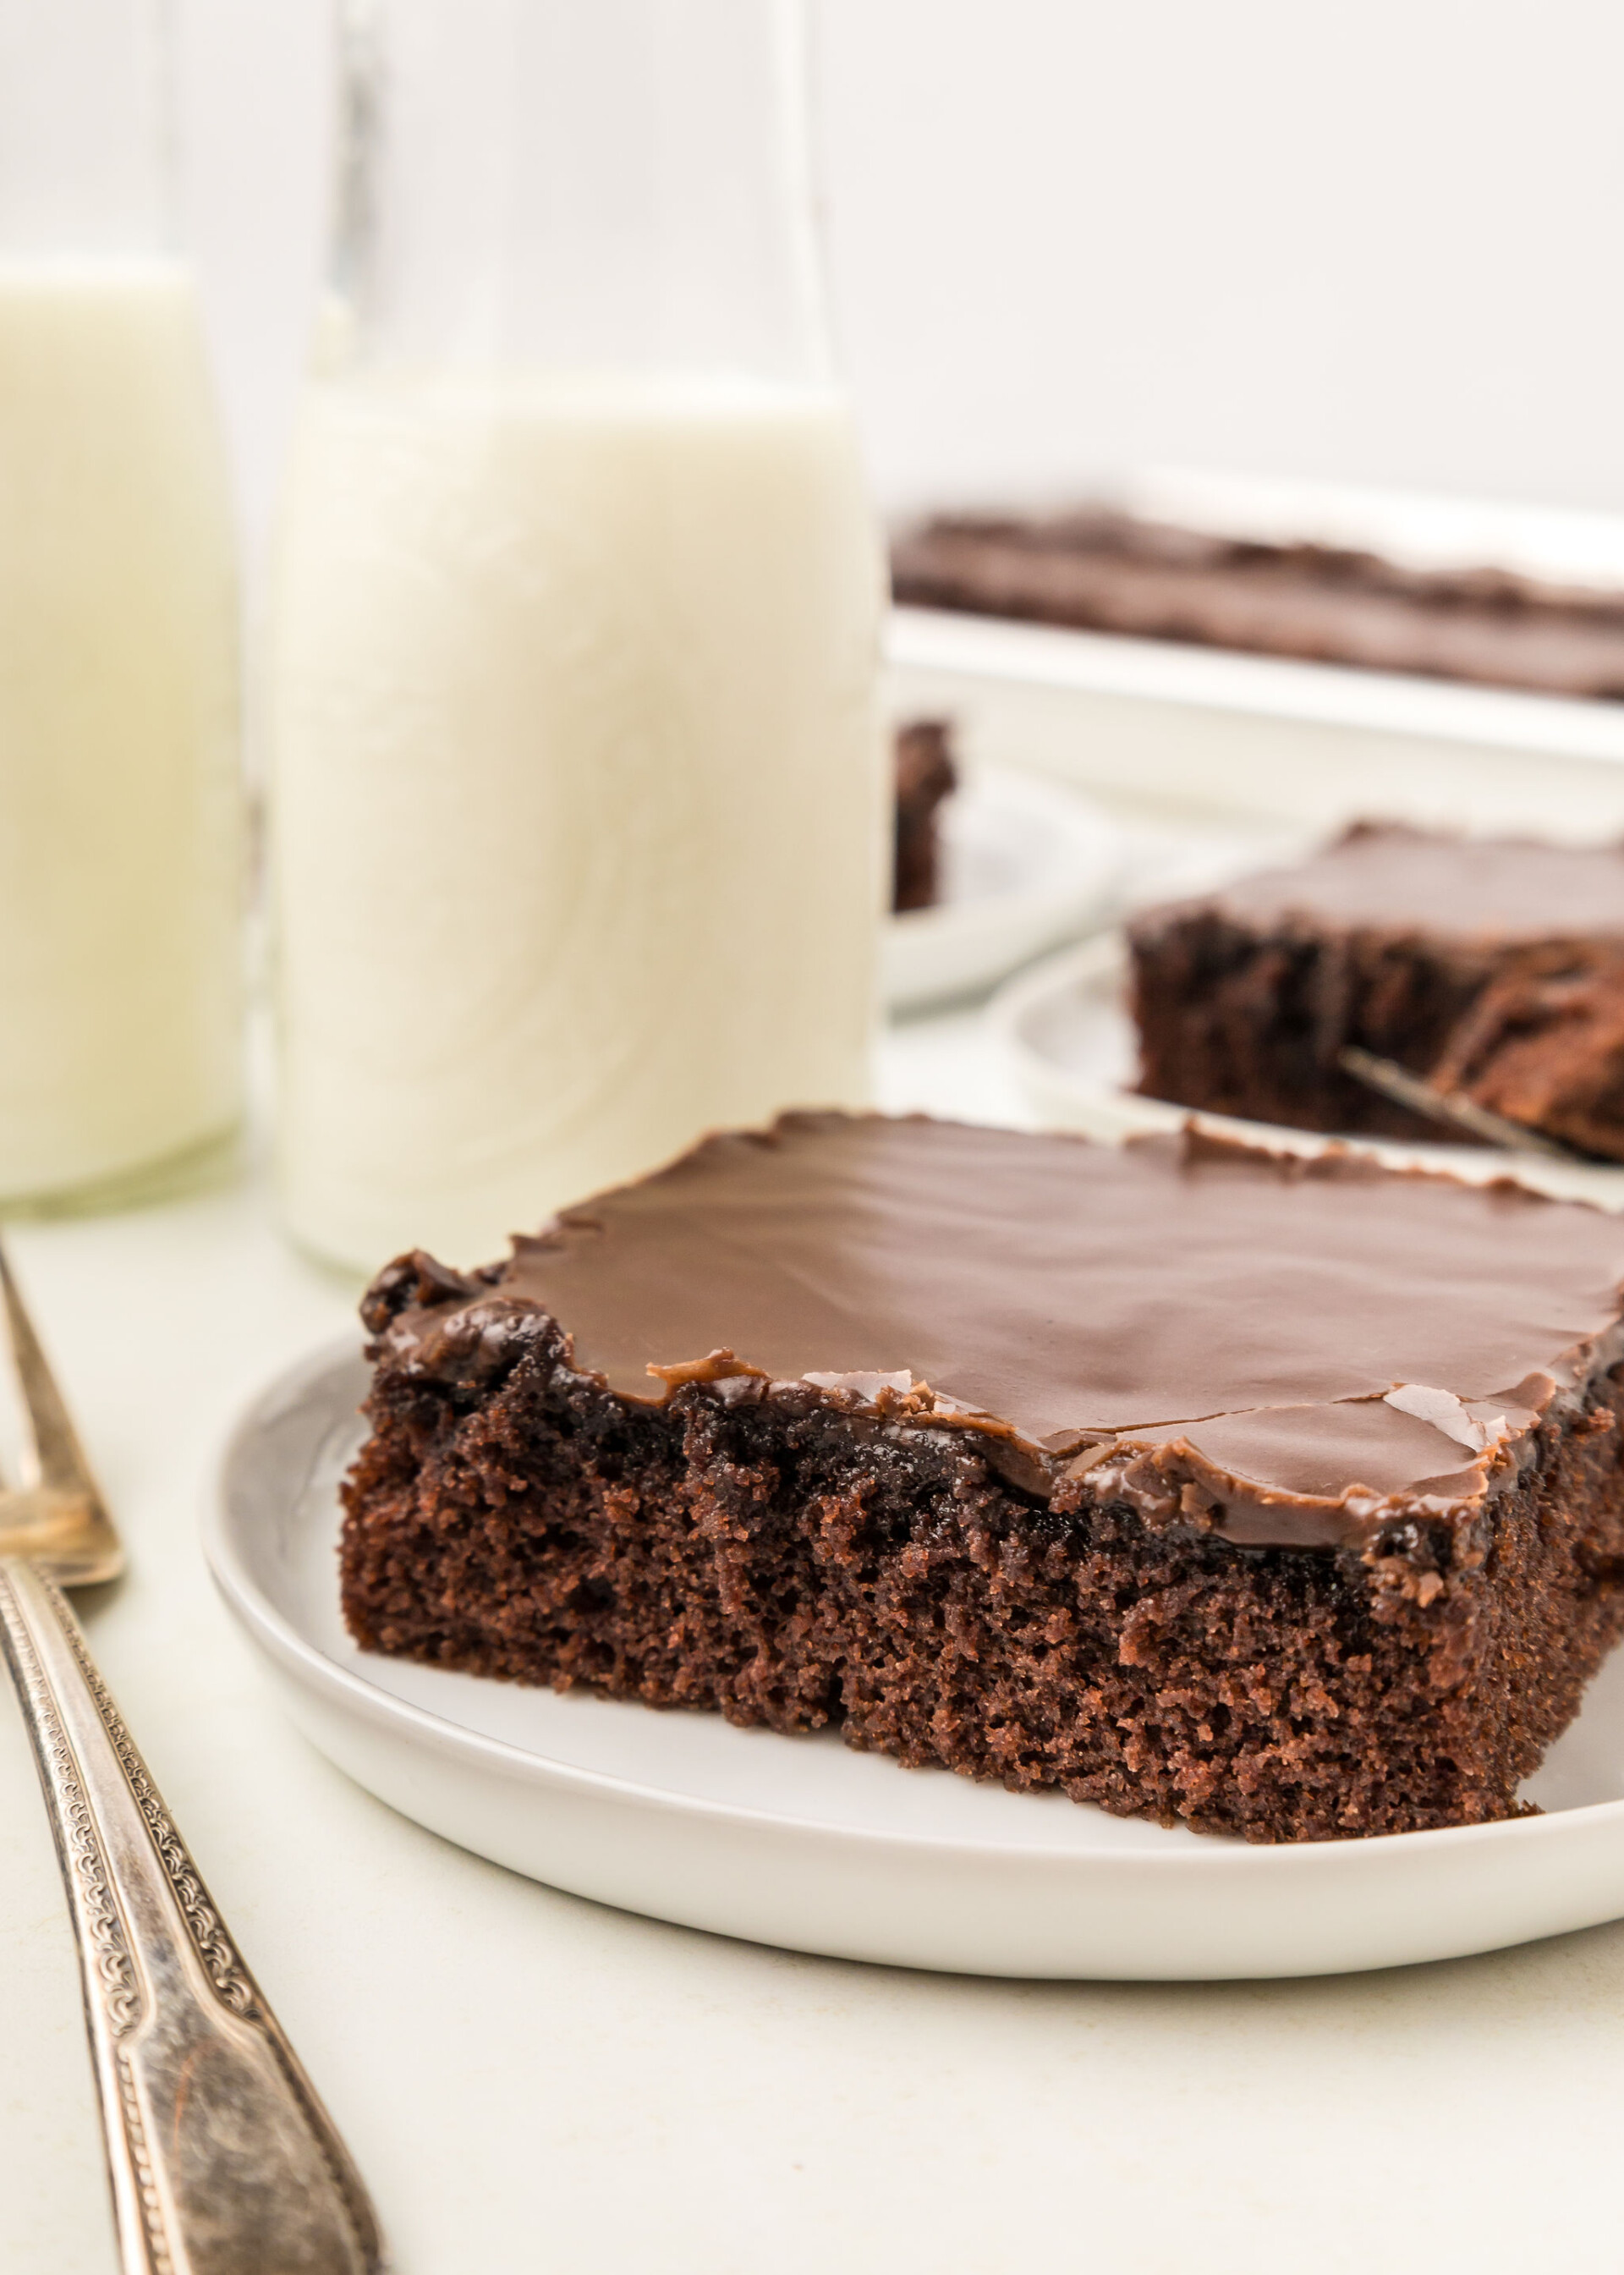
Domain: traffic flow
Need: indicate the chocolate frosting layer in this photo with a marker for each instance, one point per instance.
(1385, 877)
(1279, 1349)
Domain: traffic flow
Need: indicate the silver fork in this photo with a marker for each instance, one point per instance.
(1448, 1106)
(221, 2158)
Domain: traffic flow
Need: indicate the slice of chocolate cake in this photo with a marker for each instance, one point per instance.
(1491, 967)
(922, 756)
(1281, 1496)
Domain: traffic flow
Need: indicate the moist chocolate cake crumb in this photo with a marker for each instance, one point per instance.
(1543, 1045)
(1281, 1497)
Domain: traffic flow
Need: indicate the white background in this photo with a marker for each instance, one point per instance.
(1377, 241)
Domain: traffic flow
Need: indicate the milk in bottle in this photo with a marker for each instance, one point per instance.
(575, 790)
(577, 801)
(118, 848)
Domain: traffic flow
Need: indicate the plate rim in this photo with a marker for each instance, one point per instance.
(280, 1640)
(951, 950)
(1039, 790)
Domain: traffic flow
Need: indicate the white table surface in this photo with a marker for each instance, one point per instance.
(532, 2081)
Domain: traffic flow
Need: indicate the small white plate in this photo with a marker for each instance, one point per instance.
(799, 1841)
(1025, 863)
(1069, 1038)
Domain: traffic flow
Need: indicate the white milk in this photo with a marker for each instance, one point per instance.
(119, 855)
(577, 803)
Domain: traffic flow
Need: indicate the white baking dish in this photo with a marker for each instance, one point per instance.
(1154, 725)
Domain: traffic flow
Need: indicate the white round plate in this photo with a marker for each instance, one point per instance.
(801, 1842)
(1065, 1027)
(1025, 862)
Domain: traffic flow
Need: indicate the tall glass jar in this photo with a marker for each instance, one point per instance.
(577, 803)
(119, 842)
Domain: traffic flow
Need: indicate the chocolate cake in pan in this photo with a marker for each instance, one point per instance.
(1096, 569)
(1493, 968)
(1280, 1496)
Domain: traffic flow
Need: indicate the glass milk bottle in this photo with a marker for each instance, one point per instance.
(119, 852)
(577, 804)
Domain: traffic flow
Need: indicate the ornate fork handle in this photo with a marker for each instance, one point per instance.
(223, 2161)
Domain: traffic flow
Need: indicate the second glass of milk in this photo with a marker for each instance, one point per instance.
(576, 798)
(120, 852)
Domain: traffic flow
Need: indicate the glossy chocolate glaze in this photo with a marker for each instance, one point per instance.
(1279, 1350)
(1384, 877)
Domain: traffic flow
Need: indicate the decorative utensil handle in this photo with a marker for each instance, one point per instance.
(222, 2161)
